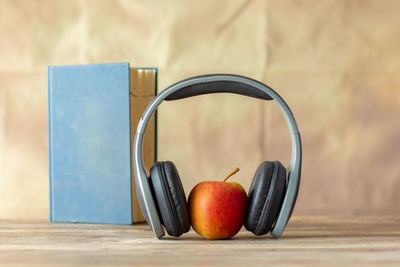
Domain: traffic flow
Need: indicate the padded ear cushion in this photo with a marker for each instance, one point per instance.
(171, 199)
(265, 197)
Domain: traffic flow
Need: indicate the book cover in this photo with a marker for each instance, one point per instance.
(90, 130)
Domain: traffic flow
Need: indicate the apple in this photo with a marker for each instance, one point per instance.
(218, 208)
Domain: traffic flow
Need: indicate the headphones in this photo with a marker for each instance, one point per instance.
(271, 200)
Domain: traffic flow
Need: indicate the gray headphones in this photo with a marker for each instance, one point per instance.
(271, 200)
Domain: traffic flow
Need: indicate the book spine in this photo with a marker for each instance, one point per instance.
(143, 88)
(50, 96)
(155, 115)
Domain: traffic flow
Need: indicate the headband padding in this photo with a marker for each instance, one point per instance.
(218, 87)
(170, 196)
(265, 197)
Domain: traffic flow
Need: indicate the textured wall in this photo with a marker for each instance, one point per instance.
(336, 63)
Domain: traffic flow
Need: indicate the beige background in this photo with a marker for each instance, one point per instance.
(336, 63)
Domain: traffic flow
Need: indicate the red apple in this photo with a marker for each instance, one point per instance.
(217, 209)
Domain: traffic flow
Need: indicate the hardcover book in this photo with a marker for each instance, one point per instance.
(93, 115)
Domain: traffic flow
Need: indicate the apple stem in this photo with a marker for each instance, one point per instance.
(232, 173)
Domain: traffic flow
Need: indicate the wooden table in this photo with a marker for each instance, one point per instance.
(307, 240)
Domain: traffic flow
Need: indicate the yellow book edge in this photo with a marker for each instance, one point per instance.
(142, 90)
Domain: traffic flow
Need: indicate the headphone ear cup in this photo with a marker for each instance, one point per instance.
(265, 197)
(170, 196)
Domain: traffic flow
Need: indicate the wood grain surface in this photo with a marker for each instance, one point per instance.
(326, 241)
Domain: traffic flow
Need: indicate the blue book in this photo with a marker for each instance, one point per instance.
(93, 111)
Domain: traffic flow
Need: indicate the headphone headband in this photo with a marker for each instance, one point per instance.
(207, 84)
